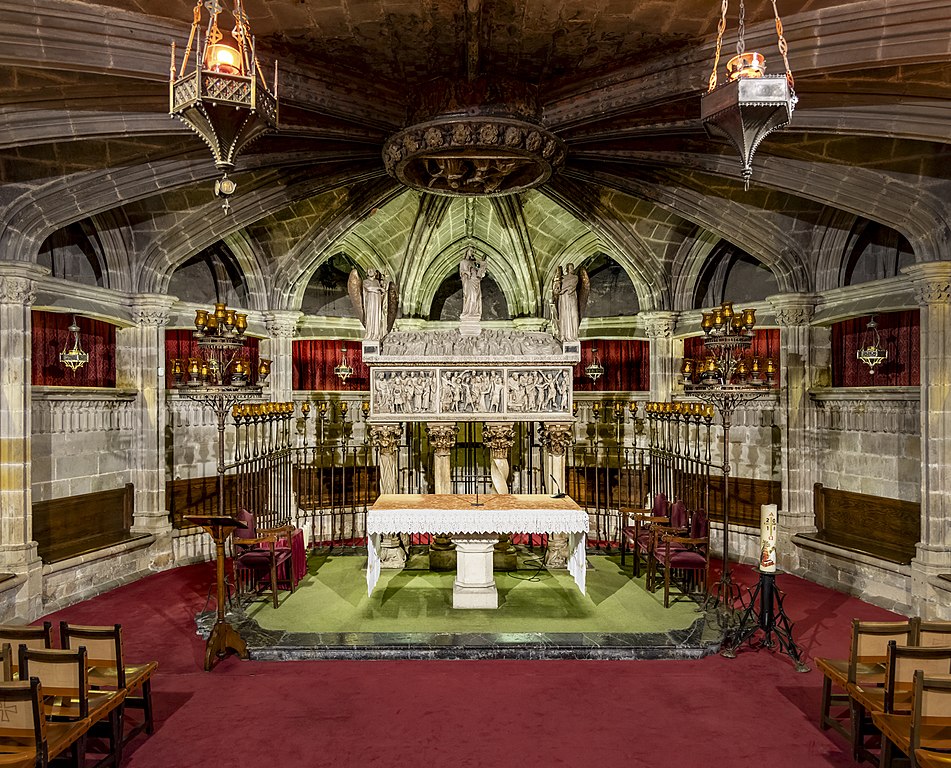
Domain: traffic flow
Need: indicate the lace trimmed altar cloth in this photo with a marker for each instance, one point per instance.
(448, 514)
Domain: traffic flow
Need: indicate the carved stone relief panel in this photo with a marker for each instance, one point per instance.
(495, 393)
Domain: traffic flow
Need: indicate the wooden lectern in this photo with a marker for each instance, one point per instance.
(223, 636)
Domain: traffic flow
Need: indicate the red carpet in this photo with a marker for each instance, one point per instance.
(752, 711)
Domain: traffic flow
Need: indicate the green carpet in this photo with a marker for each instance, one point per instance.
(333, 598)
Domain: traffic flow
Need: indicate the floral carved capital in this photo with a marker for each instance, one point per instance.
(659, 325)
(281, 325)
(499, 439)
(556, 438)
(442, 437)
(386, 437)
(17, 290)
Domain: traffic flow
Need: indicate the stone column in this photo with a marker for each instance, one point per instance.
(932, 284)
(556, 438)
(793, 314)
(18, 553)
(140, 365)
(279, 349)
(499, 439)
(442, 437)
(386, 438)
(665, 352)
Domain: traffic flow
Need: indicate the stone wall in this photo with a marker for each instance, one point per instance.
(82, 441)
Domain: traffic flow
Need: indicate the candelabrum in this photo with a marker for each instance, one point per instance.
(727, 379)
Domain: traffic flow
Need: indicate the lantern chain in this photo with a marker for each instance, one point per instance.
(721, 28)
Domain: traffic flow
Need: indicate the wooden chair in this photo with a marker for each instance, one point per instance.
(640, 528)
(932, 633)
(678, 524)
(27, 740)
(868, 649)
(65, 679)
(6, 663)
(925, 758)
(686, 556)
(259, 554)
(108, 669)
(31, 635)
(895, 695)
(928, 727)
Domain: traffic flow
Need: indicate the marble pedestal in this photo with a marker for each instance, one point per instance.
(474, 586)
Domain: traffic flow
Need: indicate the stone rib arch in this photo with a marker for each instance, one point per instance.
(689, 265)
(829, 247)
(650, 280)
(509, 211)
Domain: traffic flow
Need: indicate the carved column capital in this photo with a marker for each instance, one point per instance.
(557, 437)
(386, 437)
(281, 323)
(151, 309)
(793, 308)
(17, 290)
(659, 324)
(442, 436)
(931, 282)
(499, 439)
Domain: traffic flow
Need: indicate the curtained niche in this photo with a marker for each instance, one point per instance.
(900, 334)
(51, 335)
(314, 362)
(626, 366)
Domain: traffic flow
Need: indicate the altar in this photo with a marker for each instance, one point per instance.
(473, 524)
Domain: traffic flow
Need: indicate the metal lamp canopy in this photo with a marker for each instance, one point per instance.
(221, 94)
(750, 104)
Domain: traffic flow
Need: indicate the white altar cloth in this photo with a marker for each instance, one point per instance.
(449, 514)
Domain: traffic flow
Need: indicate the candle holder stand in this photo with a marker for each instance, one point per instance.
(765, 613)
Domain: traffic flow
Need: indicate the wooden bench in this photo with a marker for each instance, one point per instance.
(884, 528)
(74, 525)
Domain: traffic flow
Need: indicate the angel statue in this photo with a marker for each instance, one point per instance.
(375, 300)
(471, 270)
(569, 293)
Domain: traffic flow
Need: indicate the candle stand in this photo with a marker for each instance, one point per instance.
(765, 614)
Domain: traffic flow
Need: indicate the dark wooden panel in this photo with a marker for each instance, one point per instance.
(198, 496)
(64, 528)
(746, 497)
(337, 486)
(875, 525)
(606, 487)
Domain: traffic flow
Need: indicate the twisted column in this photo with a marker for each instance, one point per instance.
(386, 439)
(499, 439)
(442, 438)
(555, 438)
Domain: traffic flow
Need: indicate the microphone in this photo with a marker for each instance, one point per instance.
(558, 494)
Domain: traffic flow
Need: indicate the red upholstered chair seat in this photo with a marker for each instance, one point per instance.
(687, 556)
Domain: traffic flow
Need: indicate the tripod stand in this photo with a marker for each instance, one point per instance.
(766, 615)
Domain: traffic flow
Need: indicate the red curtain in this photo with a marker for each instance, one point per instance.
(315, 360)
(182, 344)
(51, 335)
(765, 344)
(900, 334)
(626, 366)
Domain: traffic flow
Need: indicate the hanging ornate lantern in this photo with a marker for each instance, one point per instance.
(872, 353)
(74, 358)
(750, 105)
(224, 99)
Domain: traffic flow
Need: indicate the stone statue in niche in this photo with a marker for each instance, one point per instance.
(471, 270)
(569, 293)
(375, 300)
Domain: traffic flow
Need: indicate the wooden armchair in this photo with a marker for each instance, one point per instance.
(108, 670)
(67, 697)
(261, 555)
(895, 695)
(31, 635)
(684, 556)
(934, 633)
(677, 524)
(928, 727)
(868, 650)
(27, 740)
(638, 530)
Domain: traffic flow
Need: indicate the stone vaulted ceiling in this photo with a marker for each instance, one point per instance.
(85, 137)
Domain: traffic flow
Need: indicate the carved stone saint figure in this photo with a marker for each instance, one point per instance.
(569, 297)
(375, 300)
(472, 271)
